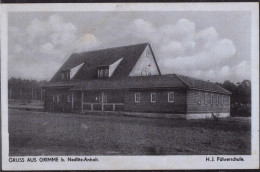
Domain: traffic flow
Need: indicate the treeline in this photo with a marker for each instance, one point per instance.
(240, 98)
(22, 89)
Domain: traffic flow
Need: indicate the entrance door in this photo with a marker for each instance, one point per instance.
(102, 99)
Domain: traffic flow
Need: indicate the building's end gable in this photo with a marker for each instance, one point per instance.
(146, 64)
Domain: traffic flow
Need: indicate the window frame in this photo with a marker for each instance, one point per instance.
(211, 99)
(170, 101)
(100, 97)
(153, 101)
(69, 98)
(139, 97)
(205, 98)
(58, 98)
(101, 73)
(200, 95)
(106, 73)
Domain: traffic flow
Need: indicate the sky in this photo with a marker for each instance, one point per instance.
(211, 46)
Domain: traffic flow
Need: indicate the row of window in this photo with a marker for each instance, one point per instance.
(102, 97)
(209, 98)
(103, 73)
(153, 97)
(65, 76)
(57, 98)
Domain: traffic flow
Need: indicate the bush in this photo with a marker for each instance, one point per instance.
(239, 109)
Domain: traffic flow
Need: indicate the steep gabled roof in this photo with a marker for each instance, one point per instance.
(93, 59)
(198, 84)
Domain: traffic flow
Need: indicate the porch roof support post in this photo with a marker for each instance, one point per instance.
(82, 100)
(72, 101)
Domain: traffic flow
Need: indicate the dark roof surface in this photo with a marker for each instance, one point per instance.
(135, 82)
(93, 59)
(85, 78)
(193, 83)
(142, 82)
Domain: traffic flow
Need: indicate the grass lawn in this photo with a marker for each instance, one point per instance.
(42, 133)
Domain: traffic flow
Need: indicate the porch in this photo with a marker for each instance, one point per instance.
(85, 101)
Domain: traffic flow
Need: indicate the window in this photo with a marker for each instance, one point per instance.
(69, 98)
(199, 98)
(147, 54)
(103, 71)
(62, 76)
(137, 97)
(171, 97)
(104, 97)
(211, 98)
(106, 73)
(205, 98)
(218, 101)
(58, 98)
(53, 98)
(100, 97)
(153, 97)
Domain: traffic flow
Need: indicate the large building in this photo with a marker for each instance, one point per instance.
(128, 79)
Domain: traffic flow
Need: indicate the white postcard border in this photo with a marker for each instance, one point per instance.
(134, 162)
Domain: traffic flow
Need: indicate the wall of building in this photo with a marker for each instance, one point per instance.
(62, 105)
(65, 104)
(190, 102)
(161, 104)
(196, 102)
(112, 96)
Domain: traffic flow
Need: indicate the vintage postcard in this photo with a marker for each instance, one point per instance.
(130, 86)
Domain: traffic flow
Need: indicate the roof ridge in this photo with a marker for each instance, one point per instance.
(194, 78)
(177, 75)
(222, 88)
(201, 81)
(146, 43)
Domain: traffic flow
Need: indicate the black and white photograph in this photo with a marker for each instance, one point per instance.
(82, 84)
